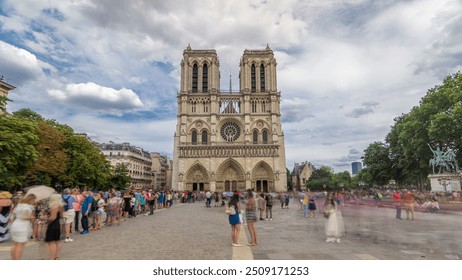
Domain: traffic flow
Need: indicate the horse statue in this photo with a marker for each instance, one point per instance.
(445, 161)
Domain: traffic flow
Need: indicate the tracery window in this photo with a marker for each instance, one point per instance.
(194, 137)
(262, 78)
(253, 78)
(195, 76)
(205, 79)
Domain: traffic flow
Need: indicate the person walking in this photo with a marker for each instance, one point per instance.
(261, 205)
(269, 207)
(234, 220)
(53, 233)
(397, 202)
(312, 206)
(334, 226)
(305, 202)
(408, 198)
(69, 213)
(21, 229)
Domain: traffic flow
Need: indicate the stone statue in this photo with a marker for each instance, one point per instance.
(445, 161)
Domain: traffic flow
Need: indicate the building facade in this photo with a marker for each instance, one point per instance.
(300, 175)
(4, 89)
(137, 161)
(161, 169)
(229, 141)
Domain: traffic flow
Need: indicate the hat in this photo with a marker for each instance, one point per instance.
(67, 191)
(5, 195)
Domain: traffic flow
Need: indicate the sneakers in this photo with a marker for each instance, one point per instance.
(237, 245)
(338, 240)
(84, 232)
(68, 240)
(330, 239)
(271, 219)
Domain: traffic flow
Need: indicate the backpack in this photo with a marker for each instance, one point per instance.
(94, 205)
(269, 202)
(230, 210)
(66, 205)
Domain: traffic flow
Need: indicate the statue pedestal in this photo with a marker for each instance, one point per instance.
(445, 182)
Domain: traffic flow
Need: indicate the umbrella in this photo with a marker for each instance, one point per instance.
(41, 192)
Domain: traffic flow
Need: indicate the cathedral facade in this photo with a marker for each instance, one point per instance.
(229, 141)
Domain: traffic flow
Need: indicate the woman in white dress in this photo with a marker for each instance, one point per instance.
(21, 228)
(334, 223)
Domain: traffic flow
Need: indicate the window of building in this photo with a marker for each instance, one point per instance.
(195, 75)
(262, 78)
(264, 137)
(253, 78)
(206, 106)
(255, 137)
(205, 79)
(204, 137)
(194, 137)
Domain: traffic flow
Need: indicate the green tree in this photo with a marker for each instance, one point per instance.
(119, 177)
(52, 160)
(17, 150)
(321, 179)
(377, 163)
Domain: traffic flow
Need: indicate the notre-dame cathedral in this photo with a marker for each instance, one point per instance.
(229, 141)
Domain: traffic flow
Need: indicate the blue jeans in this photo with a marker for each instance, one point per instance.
(305, 210)
(84, 222)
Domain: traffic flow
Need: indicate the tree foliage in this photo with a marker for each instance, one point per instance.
(34, 150)
(405, 155)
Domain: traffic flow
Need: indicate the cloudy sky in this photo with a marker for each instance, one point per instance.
(110, 68)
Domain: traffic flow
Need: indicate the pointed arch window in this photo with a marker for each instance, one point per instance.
(195, 75)
(253, 78)
(264, 137)
(194, 137)
(204, 137)
(255, 137)
(262, 77)
(205, 78)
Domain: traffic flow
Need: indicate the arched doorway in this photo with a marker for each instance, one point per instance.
(230, 177)
(197, 178)
(263, 177)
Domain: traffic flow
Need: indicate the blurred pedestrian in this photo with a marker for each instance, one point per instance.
(397, 202)
(269, 207)
(409, 205)
(334, 226)
(261, 205)
(53, 233)
(21, 229)
(6, 210)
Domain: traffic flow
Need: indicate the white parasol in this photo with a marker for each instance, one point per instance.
(41, 192)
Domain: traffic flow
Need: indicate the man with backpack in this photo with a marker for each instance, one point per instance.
(86, 211)
(69, 213)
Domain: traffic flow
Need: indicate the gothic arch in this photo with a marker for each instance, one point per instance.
(197, 178)
(230, 176)
(262, 177)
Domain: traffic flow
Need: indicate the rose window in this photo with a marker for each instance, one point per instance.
(230, 131)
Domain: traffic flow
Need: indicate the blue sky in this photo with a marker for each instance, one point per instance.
(345, 68)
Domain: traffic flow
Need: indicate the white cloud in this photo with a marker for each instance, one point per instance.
(18, 65)
(345, 68)
(97, 97)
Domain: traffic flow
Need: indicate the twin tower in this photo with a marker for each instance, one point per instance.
(229, 141)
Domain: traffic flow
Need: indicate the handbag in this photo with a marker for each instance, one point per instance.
(230, 210)
(327, 211)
